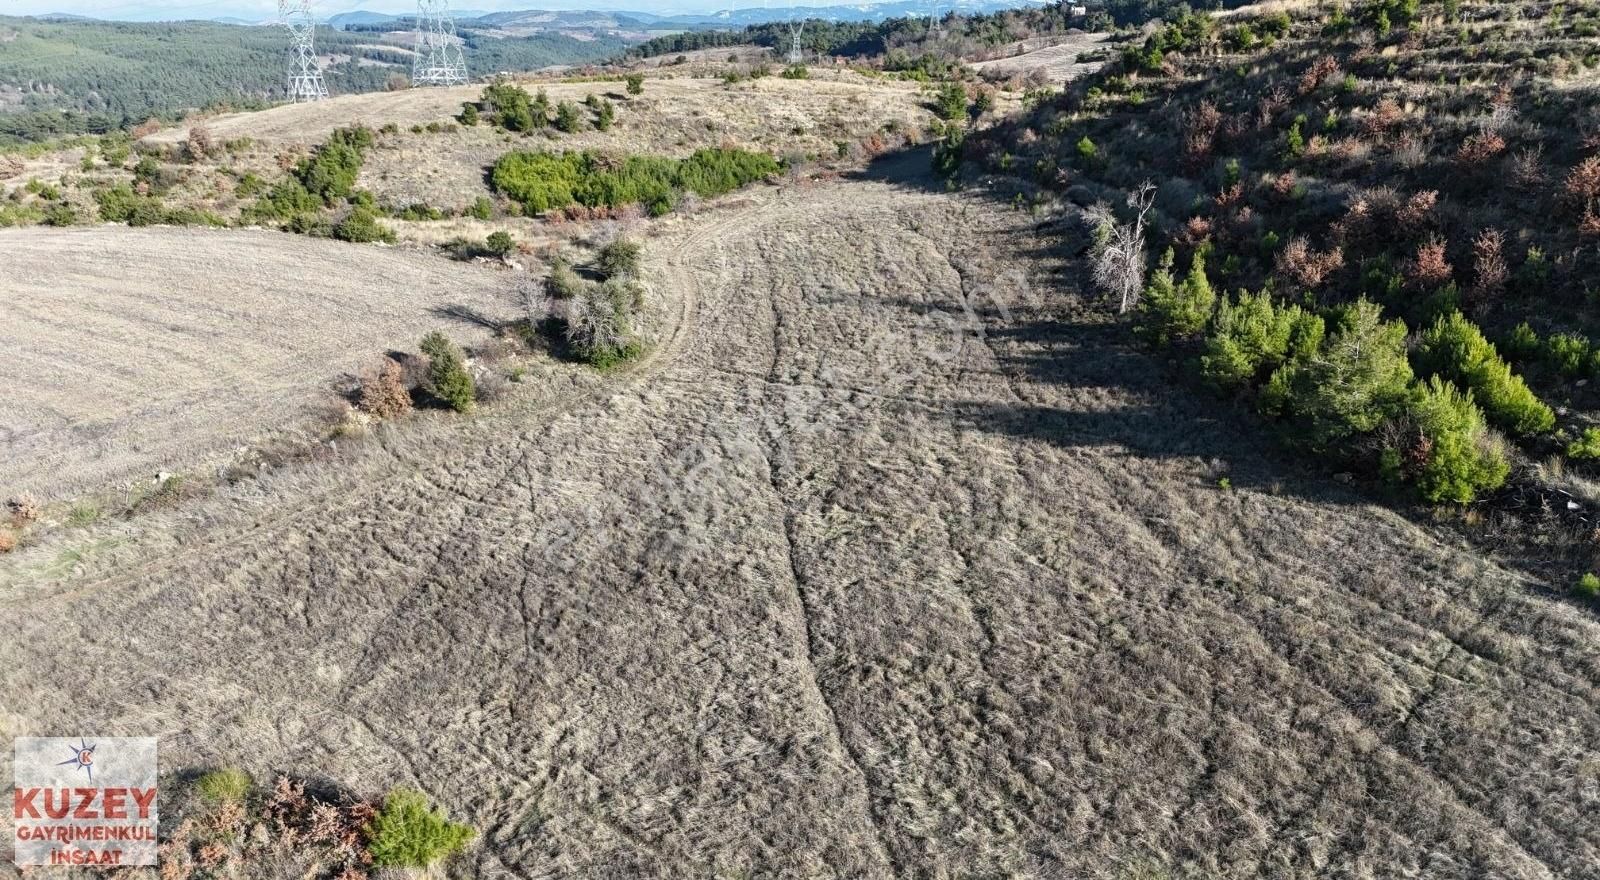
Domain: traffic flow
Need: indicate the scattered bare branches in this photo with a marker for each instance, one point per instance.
(1119, 253)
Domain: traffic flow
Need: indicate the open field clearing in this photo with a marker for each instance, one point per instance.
(132, 351)
(1057, 63)
(879, 565)
(674, 116)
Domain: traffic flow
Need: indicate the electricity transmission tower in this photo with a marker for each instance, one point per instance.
(439, 60)
(796, 54)
(305, 73)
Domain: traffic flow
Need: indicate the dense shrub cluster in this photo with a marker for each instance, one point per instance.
(1341, 385)
(1569, 355)
(513, 109)
(121, 204)
(1456, 349)
(321, 180)
(330, 172)
(543, 181)
(1251, 337)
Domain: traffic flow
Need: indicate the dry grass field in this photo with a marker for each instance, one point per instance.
(151, 350)
(805, 119)
(1055, 63)
(890, 560)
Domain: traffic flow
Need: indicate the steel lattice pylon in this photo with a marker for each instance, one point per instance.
(305, 73)
(439, 60)
(796, 53)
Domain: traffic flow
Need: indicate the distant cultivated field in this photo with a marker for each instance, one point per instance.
(129, 351)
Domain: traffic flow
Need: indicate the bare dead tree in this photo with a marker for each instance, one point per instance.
(1119, 251)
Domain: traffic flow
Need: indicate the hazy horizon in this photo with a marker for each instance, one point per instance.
(173, 10)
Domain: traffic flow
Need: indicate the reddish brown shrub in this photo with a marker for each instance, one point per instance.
(1480, 147)
(1197, 230)
(1429, 268)
(1283, 185)
(1583, 182)
(1590, 224)
(1320, 71)
(1200, 134)
(1309, 268)
(146, 128)
(1385, 116)
(1488, 264)
(1233, 126)
(1270, 105)
(8, 541)
(1417, 213)
(1230, 196)
(383, 391)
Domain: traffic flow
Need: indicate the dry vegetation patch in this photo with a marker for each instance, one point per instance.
(165, 349)
(891, 558)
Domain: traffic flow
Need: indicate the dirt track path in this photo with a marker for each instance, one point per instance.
(882, 566)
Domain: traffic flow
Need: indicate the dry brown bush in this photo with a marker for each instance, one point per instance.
(200, 143)
(1583, 182)
(1197, 230)
(1309, 268)
(8, 541)
(1271, 104)
(1480, 147)
(23, 509)
(1429, 267)
(383, 391)
(1527, 168)
(1230, 196)
(1200, 133)
(1489, 264)
(1417, 213)
(146, 128)
(1385, 116)
(1320, 71)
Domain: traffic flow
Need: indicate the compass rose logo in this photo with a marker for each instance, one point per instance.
(82, 758)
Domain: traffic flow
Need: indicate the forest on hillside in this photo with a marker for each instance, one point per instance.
(73, 77)
(955, 37)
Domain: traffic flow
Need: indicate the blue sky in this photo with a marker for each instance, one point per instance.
(149, 10)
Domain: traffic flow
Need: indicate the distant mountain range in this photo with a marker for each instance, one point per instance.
(631, 19)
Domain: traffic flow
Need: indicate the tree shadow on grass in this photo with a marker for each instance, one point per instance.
(465, 314)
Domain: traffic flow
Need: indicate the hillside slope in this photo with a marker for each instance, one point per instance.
(110, 74)
(1435, 165)
(859, 574)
